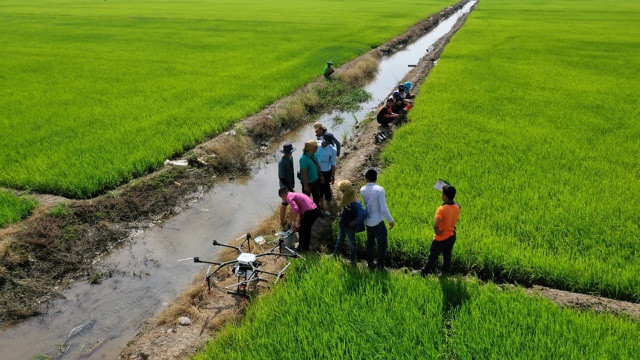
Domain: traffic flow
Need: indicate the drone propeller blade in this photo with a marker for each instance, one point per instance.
(281, 273)
(295, 253)
(185, 259)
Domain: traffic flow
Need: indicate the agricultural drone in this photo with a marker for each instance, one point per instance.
(247, 266)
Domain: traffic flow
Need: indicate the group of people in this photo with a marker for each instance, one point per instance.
(396, 106)
(317, 173)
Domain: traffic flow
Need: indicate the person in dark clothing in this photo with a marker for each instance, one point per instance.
(321, 131)
(385, 114)
(285, 167)
(444, 226)
(351, 220)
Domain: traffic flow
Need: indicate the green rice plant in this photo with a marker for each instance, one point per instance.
(14, 208)
(95, 93)
(510, 324)
(532, 113)
(326, 309)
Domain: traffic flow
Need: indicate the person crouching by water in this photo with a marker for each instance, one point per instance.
(310, 171)
(351, 220)
(285, 167)
(444, 226)
(304, 214)
(385, 114)
(377, 212)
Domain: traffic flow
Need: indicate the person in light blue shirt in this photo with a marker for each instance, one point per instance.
(376, 205)
(327, 155)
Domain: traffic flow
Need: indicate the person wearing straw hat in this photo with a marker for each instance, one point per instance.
(321, 131)
(351, 219)
(328, 70)
(310, 171)
(285, 167)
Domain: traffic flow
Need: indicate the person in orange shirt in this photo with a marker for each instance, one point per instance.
(444, 225)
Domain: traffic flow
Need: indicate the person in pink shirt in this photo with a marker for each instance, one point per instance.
(304, 214)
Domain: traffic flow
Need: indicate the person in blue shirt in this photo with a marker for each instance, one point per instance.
(327, 155)
(351, 220)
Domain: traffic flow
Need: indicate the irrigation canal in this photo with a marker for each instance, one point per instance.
(96, 321)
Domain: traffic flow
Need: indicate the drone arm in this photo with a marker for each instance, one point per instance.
(220, 266)
(216, 243)
(197, 260)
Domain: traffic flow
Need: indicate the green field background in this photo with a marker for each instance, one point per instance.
(330, 310)
(532, 113)
(96, 92)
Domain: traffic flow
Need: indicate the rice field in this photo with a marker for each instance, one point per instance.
(532, 113)
(327, 309)
(13, 208)
(97, 92)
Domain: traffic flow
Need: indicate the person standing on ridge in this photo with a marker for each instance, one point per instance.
(321, 130)
(376, 205)
(285, 167)
(327, 160)
(444, 226)
(310, 171)
(304, 214)
(328, 70)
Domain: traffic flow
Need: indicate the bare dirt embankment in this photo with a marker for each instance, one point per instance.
(61, 240)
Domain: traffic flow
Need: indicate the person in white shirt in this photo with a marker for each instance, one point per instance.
(376, 205)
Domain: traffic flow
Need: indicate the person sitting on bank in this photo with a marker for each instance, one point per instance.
(404, 89)
(351, 220)
(444, 226)
(285, 167)
(321, 130)
(385, 114)
(328, 70)
(327, 160)
(304, 214)
(400, 103)
(310, 171)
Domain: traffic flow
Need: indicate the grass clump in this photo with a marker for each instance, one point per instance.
(60, 210)
(14, 208)
(538, 137)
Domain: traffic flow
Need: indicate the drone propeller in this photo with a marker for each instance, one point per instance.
(185, 259)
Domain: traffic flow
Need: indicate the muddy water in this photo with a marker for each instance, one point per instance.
(96, 321)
